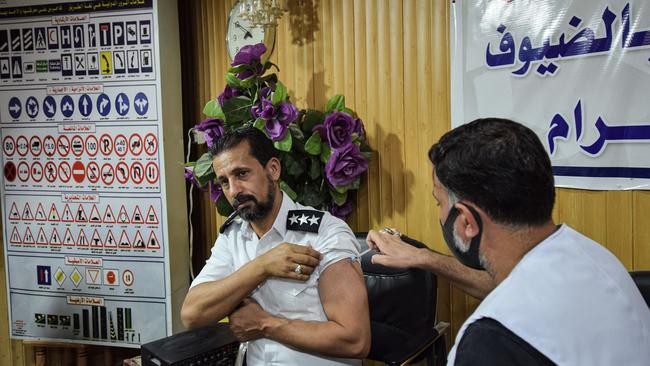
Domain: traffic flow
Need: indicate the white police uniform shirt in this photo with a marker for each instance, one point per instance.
(574, 302)
(285, 298)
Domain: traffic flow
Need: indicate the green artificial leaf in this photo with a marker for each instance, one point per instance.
(313, 144)
(260, 124)
(239, 68)
(248, 83)
(223, 206)
(325, 152)
(284, 144)
(232, 80)
(203, 169)
(336, 102)
(292, 166)
(348, 111)
(285, 187)
(279, 94)
(339, 197)
(367, 154)
(315, 168)
(312, 118)
(237, 109)
(354, 185)
(312, 196)
(213, 109)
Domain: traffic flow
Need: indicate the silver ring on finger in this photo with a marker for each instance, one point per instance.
(298, 269)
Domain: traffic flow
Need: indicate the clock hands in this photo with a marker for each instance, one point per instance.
(247, 33)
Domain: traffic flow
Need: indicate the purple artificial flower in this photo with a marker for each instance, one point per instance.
(212, 129)
(277, 117)
(342, 211)
(189, 176)
(358, 129)
(345, 165)
(228, 92)
(250, 55)
(215, 191)
(337, 130)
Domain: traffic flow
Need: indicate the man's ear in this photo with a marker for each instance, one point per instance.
(274, 168)
(469, 226)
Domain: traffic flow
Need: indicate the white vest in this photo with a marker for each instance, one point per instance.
(573, 301)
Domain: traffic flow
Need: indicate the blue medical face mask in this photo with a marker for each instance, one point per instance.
(470, 258)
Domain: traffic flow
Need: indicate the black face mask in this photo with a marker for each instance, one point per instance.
(470, 258)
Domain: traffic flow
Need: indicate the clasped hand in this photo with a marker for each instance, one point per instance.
(282, 261)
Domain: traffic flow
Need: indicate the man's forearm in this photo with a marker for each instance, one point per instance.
(211, 301)
(327, 338)
(476, 283)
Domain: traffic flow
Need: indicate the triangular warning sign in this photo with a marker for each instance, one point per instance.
(93, 275)
(110, 240)
(13, 213)
(153, 242)
(136, 218)
(81, 215)
(15, 238)
(82, 240)
(94, 215)
(27, 213)
(67, 214)
(55, 239)
(138, 242)
(54, 214)
(67, 238)
(40, 238)
(28, 238)
(109, 218)
(123, 218)
(124, 240)
(96, 241)
(40, 213)
(152, 218)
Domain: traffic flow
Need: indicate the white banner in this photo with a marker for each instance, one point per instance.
(576, 72)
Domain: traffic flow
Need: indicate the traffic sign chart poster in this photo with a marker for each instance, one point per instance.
(82, 188)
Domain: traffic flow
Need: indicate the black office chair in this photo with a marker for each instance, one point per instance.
(642, 280)
(402, 314)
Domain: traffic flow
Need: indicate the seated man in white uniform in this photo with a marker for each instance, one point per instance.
(560, 298)
(280, 271)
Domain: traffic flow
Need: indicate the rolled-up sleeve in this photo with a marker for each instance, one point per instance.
(336, 242)
(219, 265)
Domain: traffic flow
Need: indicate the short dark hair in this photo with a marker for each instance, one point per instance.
(260, 146)
(500, 166)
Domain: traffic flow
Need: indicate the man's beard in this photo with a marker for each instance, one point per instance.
(258, 210)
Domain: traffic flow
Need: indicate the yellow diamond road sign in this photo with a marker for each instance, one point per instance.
(76, 277)
(59, 276)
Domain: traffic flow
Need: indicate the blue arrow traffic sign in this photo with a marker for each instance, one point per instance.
(32, 107)
(141, 104)
(85, 105)
(49, 106)
(67, 106)
(103, 104)
(15, 107)
(122, 104)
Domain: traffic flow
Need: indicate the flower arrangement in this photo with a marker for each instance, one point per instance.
(323, 154)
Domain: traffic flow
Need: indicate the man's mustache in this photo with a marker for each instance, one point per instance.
(242, 198)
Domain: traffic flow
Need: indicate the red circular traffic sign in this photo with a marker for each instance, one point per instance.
(78, 171)
(49, 146)
(22, 145)
(23, 171)
(151, 172)
(10, 171)
(63, 145)
(92, 172)
(122, 172)
(106, 144)
(35, 145)
(108, 174)
(37, 171)
(9, 145)
(64, 172)
(50, 171)
(150, 144)
(92, 146)
(77, 145)
(135, 144)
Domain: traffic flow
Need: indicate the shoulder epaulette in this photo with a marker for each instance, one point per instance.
(304, 220)
(228, 221)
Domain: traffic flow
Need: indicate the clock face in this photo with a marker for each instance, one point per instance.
(240, 33)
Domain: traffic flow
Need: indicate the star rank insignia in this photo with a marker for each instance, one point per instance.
(304, 220)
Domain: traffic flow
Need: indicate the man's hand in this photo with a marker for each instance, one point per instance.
(282, 261)
(393, 251)
(246, 320)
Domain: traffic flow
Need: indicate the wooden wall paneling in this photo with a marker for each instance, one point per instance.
(619, 221)
(641, 212)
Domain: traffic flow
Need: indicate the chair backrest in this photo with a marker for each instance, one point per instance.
(642, 280)
(402, 308)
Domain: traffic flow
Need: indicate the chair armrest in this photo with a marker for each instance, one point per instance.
(441, 329)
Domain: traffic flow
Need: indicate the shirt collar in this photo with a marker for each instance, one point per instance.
(280, 223)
